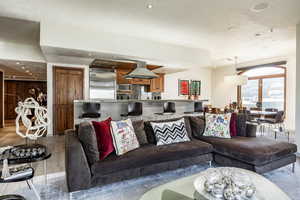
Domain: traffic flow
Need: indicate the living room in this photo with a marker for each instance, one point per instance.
(225, 88)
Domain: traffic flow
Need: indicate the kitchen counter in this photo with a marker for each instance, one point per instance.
(136, 100)
(152, 109)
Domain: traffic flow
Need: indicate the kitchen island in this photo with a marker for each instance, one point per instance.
(151, 109)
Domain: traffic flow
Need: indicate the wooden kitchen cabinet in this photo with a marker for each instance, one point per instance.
(136, 81)
(157, 84)
(139, 81)
(120, 76)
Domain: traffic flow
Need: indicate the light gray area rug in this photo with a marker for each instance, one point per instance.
(133, 189)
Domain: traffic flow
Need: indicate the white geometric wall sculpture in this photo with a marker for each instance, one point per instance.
(35, 128)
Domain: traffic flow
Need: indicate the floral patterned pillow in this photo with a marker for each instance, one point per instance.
(217, 125)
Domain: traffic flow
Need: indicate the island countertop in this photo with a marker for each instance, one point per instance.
(136, 100)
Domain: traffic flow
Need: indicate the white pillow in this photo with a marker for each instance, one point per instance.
(124, 137)
(217, 125)
(170, 132)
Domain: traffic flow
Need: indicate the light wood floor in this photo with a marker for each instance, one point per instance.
(56, 163)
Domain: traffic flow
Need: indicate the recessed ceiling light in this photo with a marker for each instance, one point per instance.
(18, 63)
(30, 74)
(149, 6)
(27, 71)
(23, 67)
(260, 7)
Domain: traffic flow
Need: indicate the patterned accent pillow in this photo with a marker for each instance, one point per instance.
(170, 132)
(124, 137)
(217, 125)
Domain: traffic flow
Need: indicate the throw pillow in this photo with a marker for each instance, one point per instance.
(138, 127)
(241, 123)
(150, 132)
(104, 139)
(233, 128)
(170, 132)
(217, 125)
(124, 137)
(197, 126)
(87, 137)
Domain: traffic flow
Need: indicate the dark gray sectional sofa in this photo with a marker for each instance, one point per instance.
(253, 153)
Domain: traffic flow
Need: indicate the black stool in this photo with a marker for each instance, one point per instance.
(198, 107)
(134, 109)
(91, 110)
(169, 107)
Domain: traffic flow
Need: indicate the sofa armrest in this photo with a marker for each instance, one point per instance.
(251, 129)
(78, 173)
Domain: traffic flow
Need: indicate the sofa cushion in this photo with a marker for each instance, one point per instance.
(87, 136)
(170, 132)
(256, 151)
(241, 124)
(217, 125)
(150, 154)
(124, 137)
(150, 133)
(104, 138)
(140, 132)
(233, 127)
(197, 125)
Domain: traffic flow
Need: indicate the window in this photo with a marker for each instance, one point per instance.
(265, 85)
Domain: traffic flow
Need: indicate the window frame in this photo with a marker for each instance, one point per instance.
(260, 82)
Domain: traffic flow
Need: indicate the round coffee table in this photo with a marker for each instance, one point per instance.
(183, 189)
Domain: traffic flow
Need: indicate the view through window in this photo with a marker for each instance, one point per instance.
(265, 85)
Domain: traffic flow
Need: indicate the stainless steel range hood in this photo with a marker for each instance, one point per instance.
(141, 72)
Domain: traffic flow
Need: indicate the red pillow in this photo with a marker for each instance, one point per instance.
(233, 128)
(104, 138)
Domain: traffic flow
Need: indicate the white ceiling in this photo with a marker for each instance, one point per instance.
(226, 28)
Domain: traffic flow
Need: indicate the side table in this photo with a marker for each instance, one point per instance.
(27, 178)
(14, 160)
(12, 197)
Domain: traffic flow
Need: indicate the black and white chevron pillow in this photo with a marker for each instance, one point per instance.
(170, 132)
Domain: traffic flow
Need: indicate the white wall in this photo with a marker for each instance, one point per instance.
(203, 74)
(50, 88)
(297, 96)
(223, 92)
(19, 40)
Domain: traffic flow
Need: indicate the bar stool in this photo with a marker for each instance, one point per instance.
(91, 110)
(134, 109)
(169, 107)
(198, 108)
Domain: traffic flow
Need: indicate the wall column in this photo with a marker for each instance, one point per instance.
(298, 89)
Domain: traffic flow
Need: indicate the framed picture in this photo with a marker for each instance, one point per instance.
(195, 88)
(183, 87)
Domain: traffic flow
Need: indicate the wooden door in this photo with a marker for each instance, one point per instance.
(1, 99)
(68, 86)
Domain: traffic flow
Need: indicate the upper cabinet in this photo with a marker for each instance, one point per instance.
(154, 85)
(157, 84)
(139, 81)
(120, 76)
